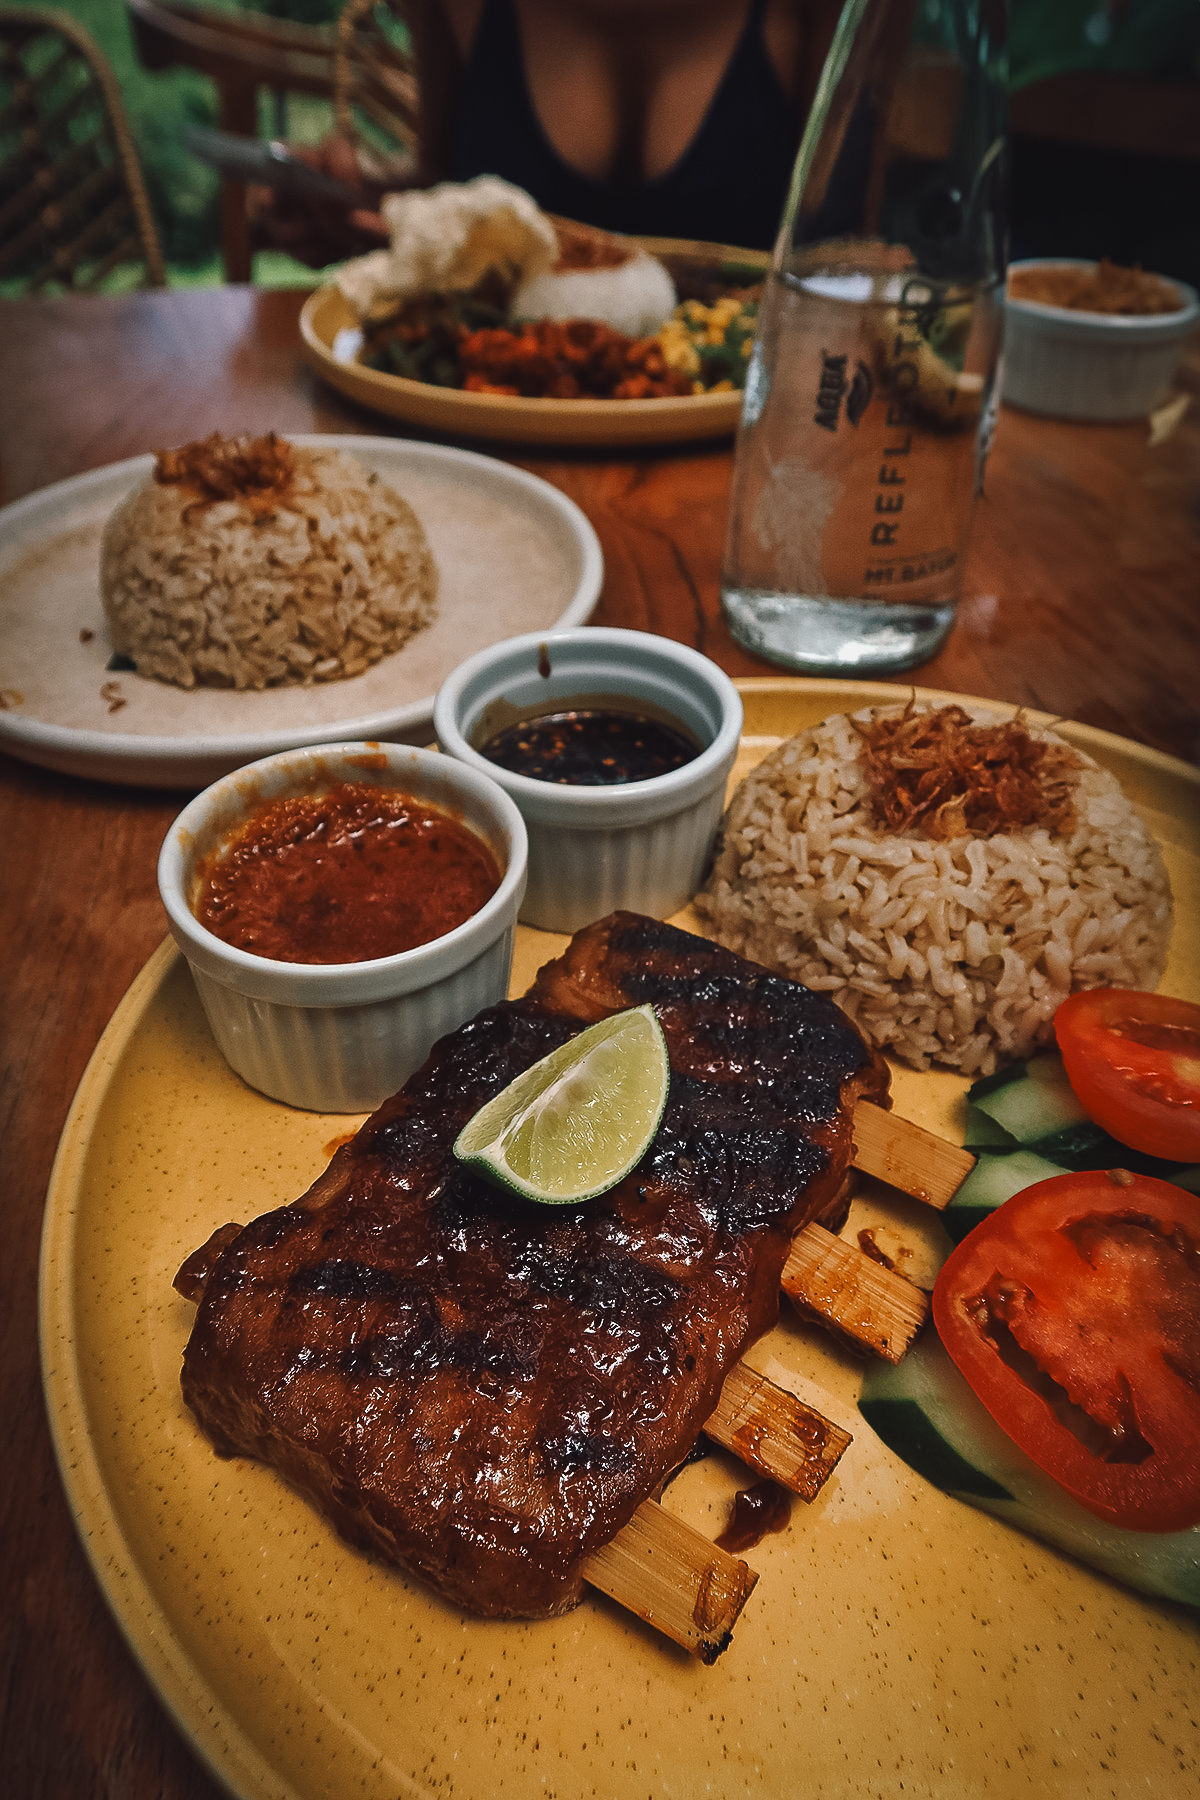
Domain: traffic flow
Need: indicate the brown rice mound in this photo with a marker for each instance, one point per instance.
(955, 952)
(312, 575)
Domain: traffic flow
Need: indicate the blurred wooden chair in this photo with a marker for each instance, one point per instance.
(357, 64)
(73, 204)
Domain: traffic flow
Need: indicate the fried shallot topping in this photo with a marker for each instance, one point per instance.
(257, 470)
(942, 775)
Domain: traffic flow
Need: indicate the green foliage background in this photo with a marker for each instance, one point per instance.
(184, 192)
(1046, 37)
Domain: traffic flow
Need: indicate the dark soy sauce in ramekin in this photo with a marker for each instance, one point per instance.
(590, 747)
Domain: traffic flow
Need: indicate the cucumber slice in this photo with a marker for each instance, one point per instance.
(1031, 1108)
(992, 1181)
(1037, 1101)
(1002, 1172)
(999, 1078)
(1088, 1146)
(928, 1415)
(905, 1427)
(983, 1133)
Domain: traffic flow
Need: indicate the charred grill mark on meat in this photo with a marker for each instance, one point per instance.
(483, 1390)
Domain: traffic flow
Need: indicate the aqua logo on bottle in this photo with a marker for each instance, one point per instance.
(835, 386)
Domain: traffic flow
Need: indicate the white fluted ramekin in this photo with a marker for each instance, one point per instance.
(342, 1037)
(1068, 364)
(643, 845)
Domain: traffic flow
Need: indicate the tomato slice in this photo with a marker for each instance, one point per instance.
(1134, 1063)
(1074, 1313)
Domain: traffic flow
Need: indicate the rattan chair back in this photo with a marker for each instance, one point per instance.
(73, 204)
(375, 76)
(360, 65)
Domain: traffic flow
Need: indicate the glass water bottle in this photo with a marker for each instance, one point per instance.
(869, 394)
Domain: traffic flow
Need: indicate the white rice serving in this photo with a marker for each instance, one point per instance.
(955, 951)
(311, 580)
(634, 297)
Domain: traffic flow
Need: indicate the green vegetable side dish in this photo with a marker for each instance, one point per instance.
(422, 344)
(574, 1124)
(708, 343)
(712, 344)
(1025, 1124)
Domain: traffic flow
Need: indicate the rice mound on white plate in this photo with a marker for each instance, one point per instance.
(955, 952)
(310, 578)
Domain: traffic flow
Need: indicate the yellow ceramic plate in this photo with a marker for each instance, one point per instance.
(897, 1642)
(516, 420)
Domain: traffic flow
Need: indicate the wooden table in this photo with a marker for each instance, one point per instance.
(1082, 599)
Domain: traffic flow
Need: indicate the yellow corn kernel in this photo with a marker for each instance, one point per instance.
(678, 352)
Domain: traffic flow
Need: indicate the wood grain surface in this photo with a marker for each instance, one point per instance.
(1082, 598)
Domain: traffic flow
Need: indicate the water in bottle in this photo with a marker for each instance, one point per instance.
(869, 396)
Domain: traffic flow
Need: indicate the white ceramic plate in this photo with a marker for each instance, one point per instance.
(897, 1643)
(513, 555)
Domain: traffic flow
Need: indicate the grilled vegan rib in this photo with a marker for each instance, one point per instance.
(484, 1390)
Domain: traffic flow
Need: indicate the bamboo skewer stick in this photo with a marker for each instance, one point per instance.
(775, 1433)
(670, 1575)
(907, 1156)
(663, 1570)
(840, 1287)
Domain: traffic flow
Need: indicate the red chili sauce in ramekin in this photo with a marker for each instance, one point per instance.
(345, 876)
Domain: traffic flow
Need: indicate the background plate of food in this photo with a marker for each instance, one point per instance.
(687, 372)
(492, 551)
(896, 1640)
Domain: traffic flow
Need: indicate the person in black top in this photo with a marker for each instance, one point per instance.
(671, 118)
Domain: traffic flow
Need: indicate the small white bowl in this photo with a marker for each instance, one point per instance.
(342, 1037)
(1079, 365)
(641, 846)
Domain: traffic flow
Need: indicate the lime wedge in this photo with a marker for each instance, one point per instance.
(571, 1126)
